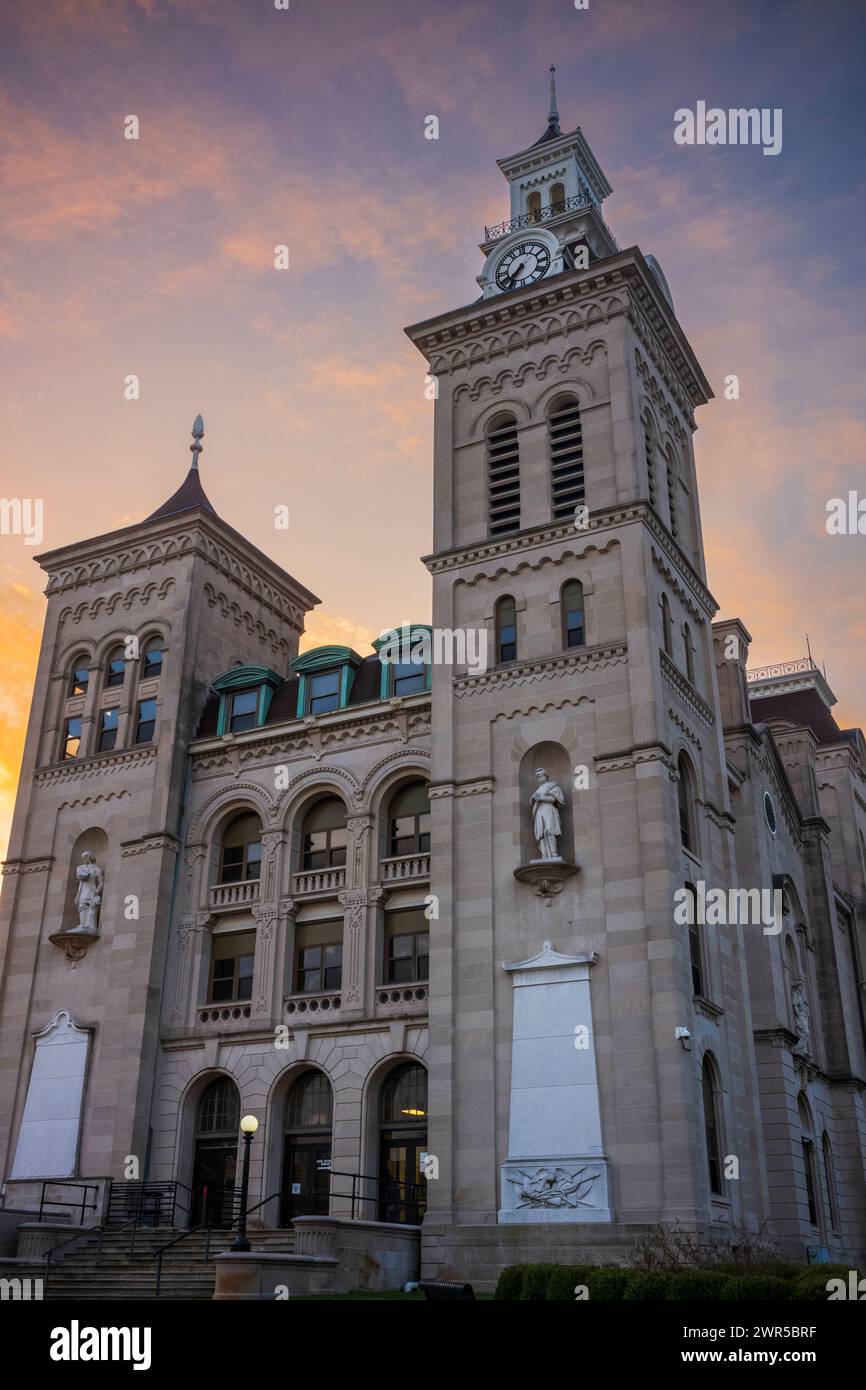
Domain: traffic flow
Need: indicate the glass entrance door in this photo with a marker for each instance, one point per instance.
(306, 1184)
(401, 1189)
(213, 1184)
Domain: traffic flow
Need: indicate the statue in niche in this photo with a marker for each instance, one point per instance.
(88, 895)
(802, 1016)
(546, 824)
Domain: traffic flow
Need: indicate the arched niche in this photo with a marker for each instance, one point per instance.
(96, 841)
(557, 764)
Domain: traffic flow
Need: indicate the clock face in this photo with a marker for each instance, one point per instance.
(522, 265)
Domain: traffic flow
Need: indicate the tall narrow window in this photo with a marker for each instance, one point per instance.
(72, 738)
(533, 206)
(503, 476)
(670, 468)
(80, 677)
(696, 959)
(565, 443)
(145, 725)
(115, 667)
(667, 627)
(573, 624)
(650, 465)
(557, 199)
(808, 1149)
(409, 821)
(152, 659)
(319, 956)
(506, 631)
(232, 964)
(686, 802)
(407, 947)
(690, 652)
(829, 1181)
(711, 1127)
(108, 730)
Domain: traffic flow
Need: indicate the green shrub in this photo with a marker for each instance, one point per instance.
(760, 1286)
(608, 1281)
(562, 1283)
(648, 1286)
(811, 1284)
(700, 1284)
(535, 1278)
(510, 1283)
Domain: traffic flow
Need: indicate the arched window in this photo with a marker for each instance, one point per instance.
(557, 199)
(503, 476)
(310, 1104)
(533, 206)
(325, 835)
(686, 803)
(671, 474)
(241, 850)
(696, 955)
(80, 677)
(219, 1110)
(152, 659)
(402, 1140)
(650, 463)
(829, 1181)
(409, 821)
(807, 1148)
(565, 447)
(573, 622)
(506, 630)
(690, 652)
(115, 667)
(667, 627)
(712, 1134)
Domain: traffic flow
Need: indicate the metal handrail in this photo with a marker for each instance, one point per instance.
(79, 1186)
(358, 1198)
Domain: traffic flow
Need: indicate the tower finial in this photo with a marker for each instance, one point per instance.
(553, 113)
(197, 435)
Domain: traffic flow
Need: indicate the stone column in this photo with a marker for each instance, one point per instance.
(556, 1169)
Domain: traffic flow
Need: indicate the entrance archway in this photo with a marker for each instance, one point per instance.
(216, 1154)
(402, 1141)
(306, 1178)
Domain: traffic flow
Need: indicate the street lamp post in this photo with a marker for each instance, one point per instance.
(249, 1125)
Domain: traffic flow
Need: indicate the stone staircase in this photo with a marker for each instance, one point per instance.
(90, 1270)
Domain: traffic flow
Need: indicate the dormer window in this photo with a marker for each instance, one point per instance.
(243, 711)
(324, 692)
(245, 696)
(327, 675)
(404, 654)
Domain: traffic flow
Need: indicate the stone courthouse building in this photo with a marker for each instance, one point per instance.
(309, 887)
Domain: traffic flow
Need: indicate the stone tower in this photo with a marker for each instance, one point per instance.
(564, 1105)
(137, 622)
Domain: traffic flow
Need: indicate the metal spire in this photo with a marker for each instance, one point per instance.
(197, 436)
(553, 113)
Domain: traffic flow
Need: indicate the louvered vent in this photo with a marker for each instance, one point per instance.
(503, 478)
(650, 467)
(672, 497)
(566, 460)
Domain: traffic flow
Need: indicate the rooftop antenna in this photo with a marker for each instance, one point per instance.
(197, 435)
(809, 651)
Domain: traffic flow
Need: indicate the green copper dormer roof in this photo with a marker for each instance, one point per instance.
(408, 634)
(244, 677)
(322, 658)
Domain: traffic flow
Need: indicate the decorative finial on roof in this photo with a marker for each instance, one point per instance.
(197, 436)
(553, 113)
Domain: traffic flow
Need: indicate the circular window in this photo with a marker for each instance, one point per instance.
(770, 812)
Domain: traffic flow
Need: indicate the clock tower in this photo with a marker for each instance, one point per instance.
(573, 1021)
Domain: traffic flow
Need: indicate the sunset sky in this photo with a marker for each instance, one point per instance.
(305, 127)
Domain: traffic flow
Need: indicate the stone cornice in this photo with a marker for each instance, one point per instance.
(159, 841)
(485, 551)
(27, 866)
(620, 284)
(77, 769)
(473, 786)
(563, 663)
(633, 757)
(147, 545)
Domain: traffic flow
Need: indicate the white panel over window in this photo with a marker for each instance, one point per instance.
(48, 1142)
